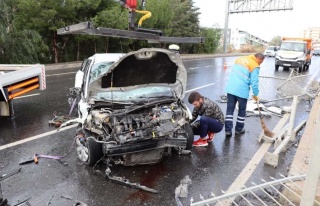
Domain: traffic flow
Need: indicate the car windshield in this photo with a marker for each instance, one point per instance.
(99, 69)
(136, 94)
(292, 46)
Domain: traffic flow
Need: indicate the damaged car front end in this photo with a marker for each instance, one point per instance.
(132, 111)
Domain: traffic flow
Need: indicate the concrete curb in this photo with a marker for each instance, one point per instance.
(68, 65)
(300, 163)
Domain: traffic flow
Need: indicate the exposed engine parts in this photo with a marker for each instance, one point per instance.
(141, 123)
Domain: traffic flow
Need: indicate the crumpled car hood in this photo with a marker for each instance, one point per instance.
(143, 68)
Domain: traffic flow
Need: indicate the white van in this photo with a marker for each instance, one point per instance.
(270, 51)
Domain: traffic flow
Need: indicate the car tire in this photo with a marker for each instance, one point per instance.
(94, 151)
(277, 67)
(189, 134)
(89, 151)
(300, 69)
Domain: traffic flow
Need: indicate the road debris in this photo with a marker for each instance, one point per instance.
(182, 189)
(35, 158)
(49, 203)
(23, 203)
(5, 176)
(57, 120)
(126, 182)
(77, 202)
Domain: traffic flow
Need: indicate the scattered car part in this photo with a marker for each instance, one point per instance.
(182, 189)
(5, 176)
(57, 120)
(49, 202)
(24, 202)
(126, 182)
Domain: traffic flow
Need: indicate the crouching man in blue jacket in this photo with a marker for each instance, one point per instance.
(244, 74)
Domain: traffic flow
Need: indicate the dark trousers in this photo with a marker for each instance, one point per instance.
(205, 125)
(231, 104)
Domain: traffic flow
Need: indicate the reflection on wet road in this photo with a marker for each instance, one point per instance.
(211, 169)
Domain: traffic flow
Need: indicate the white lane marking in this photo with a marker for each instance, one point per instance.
(190, 90)
(193, 67)
(30, 95)
(60, 74)
(35, 137)
(208, 66)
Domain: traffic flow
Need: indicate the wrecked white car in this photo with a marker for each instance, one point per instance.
(131, 107)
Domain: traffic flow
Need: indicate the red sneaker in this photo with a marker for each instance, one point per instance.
(210, 136)
(200, 143)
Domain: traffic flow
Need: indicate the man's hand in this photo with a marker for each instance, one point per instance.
(256, 98)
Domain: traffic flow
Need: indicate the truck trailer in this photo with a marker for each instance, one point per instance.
(16, 80)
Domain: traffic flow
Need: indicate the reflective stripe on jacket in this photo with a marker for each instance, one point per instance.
(245, 73)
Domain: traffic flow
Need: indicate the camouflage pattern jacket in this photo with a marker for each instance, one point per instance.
(210, 109)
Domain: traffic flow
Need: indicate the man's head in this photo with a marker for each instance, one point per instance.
(259, 57)
(196, 99)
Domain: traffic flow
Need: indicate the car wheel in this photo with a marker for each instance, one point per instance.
(89, 152)
(277, 67)
(300, 68)
(189, 135)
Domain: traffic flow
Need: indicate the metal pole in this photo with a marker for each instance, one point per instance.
(225, 31)
(313, 174)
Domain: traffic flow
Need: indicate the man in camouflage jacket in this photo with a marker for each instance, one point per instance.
(211, 120)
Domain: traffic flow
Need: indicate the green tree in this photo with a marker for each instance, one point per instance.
(212, 37)
(18, 46)
(275, 41)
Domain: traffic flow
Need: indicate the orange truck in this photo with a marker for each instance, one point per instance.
(294, 53)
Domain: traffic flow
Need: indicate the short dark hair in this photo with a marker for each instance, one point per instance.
(194, 96)
(259, 55)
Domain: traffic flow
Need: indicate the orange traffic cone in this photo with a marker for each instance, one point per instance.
(225, 66)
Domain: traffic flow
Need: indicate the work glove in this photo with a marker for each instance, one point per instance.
(256, 98)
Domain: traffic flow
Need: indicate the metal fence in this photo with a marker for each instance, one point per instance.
(267, 194)
(277, 88)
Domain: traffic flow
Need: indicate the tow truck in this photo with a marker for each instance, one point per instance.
(16, 80)
(134, 31)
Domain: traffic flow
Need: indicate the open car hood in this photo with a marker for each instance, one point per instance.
(143, 68)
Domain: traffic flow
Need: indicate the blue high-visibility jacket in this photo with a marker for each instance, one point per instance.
(245, 73)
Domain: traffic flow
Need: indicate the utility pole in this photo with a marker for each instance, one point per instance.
(225, 31)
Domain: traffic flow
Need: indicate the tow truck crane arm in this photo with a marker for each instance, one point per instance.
(133, 32)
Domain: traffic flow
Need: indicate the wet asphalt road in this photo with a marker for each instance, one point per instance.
(211, 169)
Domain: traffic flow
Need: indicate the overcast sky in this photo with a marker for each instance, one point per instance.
(266, 25)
